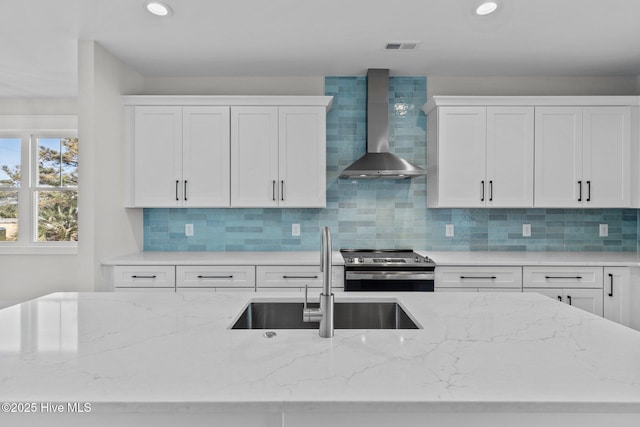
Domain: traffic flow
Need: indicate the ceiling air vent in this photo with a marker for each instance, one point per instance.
(401, 46)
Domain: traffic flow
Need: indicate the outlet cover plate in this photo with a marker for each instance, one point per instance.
(604, 230)
(449, 230)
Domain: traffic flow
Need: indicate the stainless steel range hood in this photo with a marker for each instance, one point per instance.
(378, 162)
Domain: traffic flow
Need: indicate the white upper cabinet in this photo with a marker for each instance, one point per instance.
(510, 156)
(461, 154)
(532, 151)
(254, 156)
(481, 157)
(278, 156)
(205, 156)
(226, 151)
(157, 157)
(583, 157)
(558, 156)
(606, 159)
(302, 157)
(181, 156)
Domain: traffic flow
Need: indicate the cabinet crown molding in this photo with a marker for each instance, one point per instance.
(533, 101)
(229, 100)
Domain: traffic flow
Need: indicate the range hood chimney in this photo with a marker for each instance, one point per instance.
(378, 162)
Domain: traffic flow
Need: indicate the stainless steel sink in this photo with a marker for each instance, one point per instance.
(347, 315)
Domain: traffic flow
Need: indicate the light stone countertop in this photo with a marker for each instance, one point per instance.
(442, 258)
(521, 258)
(223, 258)
(501, 352)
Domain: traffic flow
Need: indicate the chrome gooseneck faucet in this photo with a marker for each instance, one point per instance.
(324, 314)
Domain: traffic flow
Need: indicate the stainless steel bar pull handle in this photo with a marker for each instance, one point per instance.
(491, 191)
(215, 277)
(562, 277)
(579, 191)
(559, 298)
(611, 285)
(588, 191)
(299, 277)
(144, 277)
(177, 185)
(273, 189)
(482, 198)
(282, 190)
(569, 298)
(185, 190)
(479, 277)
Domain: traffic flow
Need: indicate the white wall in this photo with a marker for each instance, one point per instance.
(549, 85)
(106, 228)
(23, 277)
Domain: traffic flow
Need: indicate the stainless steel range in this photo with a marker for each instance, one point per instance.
(387, 270)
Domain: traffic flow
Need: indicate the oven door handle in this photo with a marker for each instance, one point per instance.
(389, 275)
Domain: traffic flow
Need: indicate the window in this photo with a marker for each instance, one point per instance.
(38, 190)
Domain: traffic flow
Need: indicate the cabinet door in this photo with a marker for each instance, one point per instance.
(254, 157)
(461, 156)
(606, 156)
(558, 157)
(206, 156)
(617, 298)
(587, 299)
(510, 156)
(302, 157)
(158, 156)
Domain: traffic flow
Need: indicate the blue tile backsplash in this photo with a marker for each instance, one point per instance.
(386, 213)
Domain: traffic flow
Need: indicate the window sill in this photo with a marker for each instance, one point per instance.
(38, 249)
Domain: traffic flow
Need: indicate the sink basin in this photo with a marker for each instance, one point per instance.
(347, 315)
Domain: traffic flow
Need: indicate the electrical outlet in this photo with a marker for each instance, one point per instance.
(448, 230)
(188, 230)
(295, 229)
(526, 230)
(604, 230)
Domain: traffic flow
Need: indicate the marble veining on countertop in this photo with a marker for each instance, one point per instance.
(504, 350)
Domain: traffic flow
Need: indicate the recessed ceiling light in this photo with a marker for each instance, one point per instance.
(486, 8)
(158, 8)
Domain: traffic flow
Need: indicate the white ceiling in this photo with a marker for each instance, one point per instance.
(38, 39)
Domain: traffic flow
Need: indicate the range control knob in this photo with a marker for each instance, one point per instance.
(418, 259)
(361, 259)
(350, 260)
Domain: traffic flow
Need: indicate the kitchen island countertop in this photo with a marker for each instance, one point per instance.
(150, 353)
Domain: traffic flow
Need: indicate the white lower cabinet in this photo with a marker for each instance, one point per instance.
(478, 279)
(216, 278)
(144, 277)
(577, 286)
(617, 295)
(295, 277)
(587, 299)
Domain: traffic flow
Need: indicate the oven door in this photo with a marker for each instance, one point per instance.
(389, 280)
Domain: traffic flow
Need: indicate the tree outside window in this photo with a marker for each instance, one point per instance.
(53, 192)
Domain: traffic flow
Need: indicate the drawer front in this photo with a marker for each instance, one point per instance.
(479, 277)
(296, 276)
(237, 276)
(562, 277)
(144, 276)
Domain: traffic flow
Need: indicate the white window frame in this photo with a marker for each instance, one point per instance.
(28, 129)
